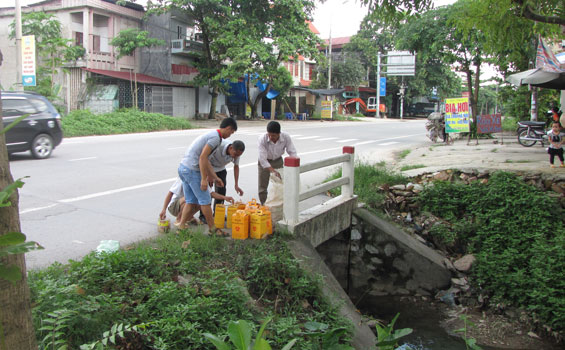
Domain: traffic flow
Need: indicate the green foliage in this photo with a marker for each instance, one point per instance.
(404, 153)
(130, 39)
(109, 337)
(84, 122)
(470, 343)
(13, 242)
(51, 47)
(239, 333)
(413, 166)
(517, 234)
(325, 338)
(368, 179)
(183, 293)
(387, 336)
(55, 326)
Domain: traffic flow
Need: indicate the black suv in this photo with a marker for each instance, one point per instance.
(40, 132)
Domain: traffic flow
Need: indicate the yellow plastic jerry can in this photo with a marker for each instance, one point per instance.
(240, 225)
(258, 225)
(267, 213)
(231, 210)
(220, 216)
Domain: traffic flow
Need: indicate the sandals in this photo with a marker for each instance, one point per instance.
(220, 232)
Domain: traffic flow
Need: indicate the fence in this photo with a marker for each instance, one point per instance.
(293, 169)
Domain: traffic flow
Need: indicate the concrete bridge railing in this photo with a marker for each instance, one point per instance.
(329, 218)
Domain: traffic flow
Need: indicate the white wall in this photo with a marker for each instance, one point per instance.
(184, 102)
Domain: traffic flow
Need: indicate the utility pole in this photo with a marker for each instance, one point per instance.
(378, 97)
(18, 19)
(330, 62)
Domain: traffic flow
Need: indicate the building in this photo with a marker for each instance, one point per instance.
(100, 80)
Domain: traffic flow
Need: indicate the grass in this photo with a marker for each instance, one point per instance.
(368, 179)
(509, 161)
(123, 121)
(509, 123)
(404, 153)
(176, 288)
(494, 150)
(413, 166)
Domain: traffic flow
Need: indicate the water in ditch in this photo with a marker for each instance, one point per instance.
(424, 320)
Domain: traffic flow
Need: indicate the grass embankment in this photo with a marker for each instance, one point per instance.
(516, 232)
(123, 121)
(170, 291)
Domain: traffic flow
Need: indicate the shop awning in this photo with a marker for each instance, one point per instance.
(130, 76)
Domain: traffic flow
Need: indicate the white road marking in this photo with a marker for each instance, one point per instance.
(364, 142)
(306, 137)
(77, 241)
(78, 159)
(388, 143)
(346, 140)
(36, 209)
(327, 138)
(130, 188)
(123, 189)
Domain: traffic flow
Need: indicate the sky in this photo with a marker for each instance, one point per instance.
(344, 16)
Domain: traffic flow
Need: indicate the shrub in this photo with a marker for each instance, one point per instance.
(179, 287)
(123, 121)
(517, 234)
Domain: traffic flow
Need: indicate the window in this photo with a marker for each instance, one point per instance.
(179, 32)
(96, 43)
(78, 38)
(16, 107)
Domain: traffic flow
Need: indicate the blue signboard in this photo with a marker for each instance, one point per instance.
(382, 91)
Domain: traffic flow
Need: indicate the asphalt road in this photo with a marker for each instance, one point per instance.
(113, 187)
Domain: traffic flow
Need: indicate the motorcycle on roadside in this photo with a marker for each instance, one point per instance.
(530, 132)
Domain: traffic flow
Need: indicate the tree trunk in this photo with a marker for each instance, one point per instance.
(257, 99)
(15, 307)
(213, 102)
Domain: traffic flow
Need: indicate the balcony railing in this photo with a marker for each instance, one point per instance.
(186, 46)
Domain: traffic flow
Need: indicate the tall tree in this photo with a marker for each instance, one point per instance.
(16, 331)
(543, 11)
(223, 26)
(280, 31)
(51, 49)
(434, 35)
(126, 42)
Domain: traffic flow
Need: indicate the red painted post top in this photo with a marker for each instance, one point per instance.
(292, 161)
(348, 149)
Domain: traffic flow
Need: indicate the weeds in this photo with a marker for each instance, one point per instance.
(368, 179)
(181, 293)
(517, 235)
(123, 121)
(413, 166)
(404, 153)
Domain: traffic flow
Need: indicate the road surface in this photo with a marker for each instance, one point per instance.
(112, 187)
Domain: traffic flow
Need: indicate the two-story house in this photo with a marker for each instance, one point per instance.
(101, 81)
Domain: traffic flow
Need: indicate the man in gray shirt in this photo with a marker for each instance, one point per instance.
(227, 152)
(196, 171)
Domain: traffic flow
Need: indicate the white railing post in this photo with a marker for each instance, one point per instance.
(348, 171)
(291, 189)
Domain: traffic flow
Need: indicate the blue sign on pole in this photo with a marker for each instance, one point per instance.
(382, 91)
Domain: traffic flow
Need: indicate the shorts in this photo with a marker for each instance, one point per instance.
(174, 207)
(191, 187)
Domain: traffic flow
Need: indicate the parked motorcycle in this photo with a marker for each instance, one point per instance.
(530, 132)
